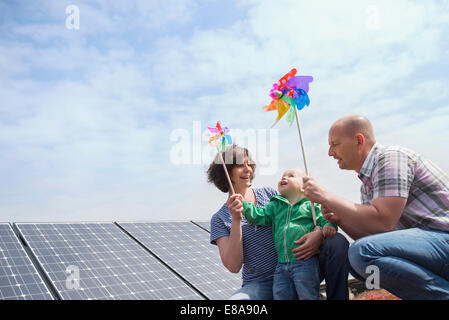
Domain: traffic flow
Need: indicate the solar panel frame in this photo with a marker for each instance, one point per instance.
(185, 247)
(111, 264)
(19, 277)
(202, 224)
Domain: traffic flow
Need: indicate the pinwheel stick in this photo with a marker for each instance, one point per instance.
(305, 161)
(226, 171)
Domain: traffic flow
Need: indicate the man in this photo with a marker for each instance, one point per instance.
(402, 225)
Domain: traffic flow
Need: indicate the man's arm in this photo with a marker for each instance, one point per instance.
(357, 220)
(321, 221)
(349, 229)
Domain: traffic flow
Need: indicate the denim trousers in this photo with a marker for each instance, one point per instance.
(411, 263)
(257, 289)
(298, 279)
(333, 268)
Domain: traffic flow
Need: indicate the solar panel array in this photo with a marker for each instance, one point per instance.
(158, 260)
(19, 279)
(186, 249)
(99, 261)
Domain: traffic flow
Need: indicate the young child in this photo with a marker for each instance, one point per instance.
(290, 215)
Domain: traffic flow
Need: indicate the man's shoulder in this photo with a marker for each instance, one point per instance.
(395, 150)
(394, 155)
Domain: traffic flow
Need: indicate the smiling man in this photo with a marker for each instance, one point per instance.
(402, 225)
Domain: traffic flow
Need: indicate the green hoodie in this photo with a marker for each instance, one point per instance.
(289, 222)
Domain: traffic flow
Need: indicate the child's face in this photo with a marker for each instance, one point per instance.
(291, 182)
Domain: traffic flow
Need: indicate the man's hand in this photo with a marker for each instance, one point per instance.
(314, 191)
(311, 242)
(329, 215)
(235, 205)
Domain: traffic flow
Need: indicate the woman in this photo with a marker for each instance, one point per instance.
(242, 244)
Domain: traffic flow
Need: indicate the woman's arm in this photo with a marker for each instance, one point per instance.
(230, 247)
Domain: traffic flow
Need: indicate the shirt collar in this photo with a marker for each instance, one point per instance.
(368, 164)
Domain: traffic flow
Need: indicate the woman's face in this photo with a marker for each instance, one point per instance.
(242, 175)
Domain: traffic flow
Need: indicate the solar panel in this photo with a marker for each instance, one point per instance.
(186, 248)
(203, 224)
(100, 261)
(19, 279)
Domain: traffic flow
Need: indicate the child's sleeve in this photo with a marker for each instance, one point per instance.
(320, 221)
(257, 216)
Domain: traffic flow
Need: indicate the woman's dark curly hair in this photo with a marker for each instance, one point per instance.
(233, 156)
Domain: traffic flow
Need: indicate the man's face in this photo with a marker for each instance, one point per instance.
(343, 148)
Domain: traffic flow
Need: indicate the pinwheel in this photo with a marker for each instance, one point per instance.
(290, 95)
(220, 137)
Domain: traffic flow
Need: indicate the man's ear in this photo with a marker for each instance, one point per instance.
(360, 138)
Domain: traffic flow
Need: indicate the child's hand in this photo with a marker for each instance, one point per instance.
(235, 205)
(329, 231)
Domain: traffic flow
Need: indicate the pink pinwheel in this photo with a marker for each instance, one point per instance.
(220, 137)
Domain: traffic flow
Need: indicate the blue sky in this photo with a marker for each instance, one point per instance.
(90, 117)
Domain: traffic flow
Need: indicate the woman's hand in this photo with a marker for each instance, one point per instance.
(311, 242)
(235, 205)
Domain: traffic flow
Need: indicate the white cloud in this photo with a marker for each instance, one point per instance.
(88, 116)
(356, 70)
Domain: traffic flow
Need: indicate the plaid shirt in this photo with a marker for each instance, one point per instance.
(399, 172)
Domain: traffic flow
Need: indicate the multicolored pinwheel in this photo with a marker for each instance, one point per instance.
(220, 136)
(288, 93)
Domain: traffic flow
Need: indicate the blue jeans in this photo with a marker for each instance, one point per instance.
(257, 289)
(334, 268)
(298, 279)
(412, 263)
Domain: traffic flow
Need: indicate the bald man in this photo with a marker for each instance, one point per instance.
(402, 225)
